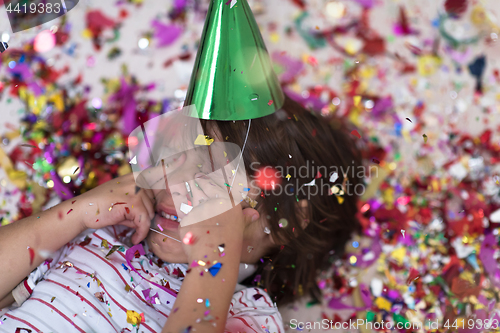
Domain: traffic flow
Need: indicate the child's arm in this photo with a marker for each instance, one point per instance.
(190, 308)
(48, 231)
(20, 242)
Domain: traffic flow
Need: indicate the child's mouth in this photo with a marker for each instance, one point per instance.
(168, 222)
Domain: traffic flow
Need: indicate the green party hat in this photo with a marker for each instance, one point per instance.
(233, 78)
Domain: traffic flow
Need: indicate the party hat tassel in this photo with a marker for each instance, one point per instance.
(233, 78)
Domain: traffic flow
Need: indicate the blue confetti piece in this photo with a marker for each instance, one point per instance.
(246, 189)
(88, 285)
(207, 303)
(215, 269)
(125, 267)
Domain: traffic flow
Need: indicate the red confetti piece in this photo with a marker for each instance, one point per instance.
(72, 202)
(32, 255)
(96, 220)
(270, 102)
(356, 134)
(69, 211)
(318, 175)
(127, 210)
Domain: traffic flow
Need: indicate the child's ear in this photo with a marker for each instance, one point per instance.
(303, 212)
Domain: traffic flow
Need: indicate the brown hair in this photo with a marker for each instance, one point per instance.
(287, 140)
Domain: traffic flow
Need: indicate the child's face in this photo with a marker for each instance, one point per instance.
(185, 172)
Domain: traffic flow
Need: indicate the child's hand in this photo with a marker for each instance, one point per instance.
(116, 202)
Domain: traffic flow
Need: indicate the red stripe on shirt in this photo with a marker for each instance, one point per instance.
(59, 312)
(265, 298)
(242, 293)
(83, 299)
(121, 277)
(277, 326)
(22, 321)
(26, 285)
(245, 323)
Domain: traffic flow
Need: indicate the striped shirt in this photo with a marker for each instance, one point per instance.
(88, 287)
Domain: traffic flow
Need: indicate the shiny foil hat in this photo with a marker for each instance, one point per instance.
(233, 78)
(172, 155)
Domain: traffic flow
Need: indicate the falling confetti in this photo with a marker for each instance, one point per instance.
(409, 120)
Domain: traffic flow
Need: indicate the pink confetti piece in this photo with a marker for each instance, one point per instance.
(159, 226)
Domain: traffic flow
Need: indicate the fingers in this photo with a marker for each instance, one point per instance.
(142, 224)
(149, 205)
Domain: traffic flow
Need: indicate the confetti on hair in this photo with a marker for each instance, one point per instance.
(356, 134)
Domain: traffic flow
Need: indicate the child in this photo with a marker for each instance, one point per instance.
(89, 288)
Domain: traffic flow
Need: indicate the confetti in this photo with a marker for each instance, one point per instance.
(425, 138)
(214, 270)
(356, 134)
(333, 177)
(185, 208)
(32, 255)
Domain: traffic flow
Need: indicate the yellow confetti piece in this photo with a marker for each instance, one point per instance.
(357, 100)
(288, 177)
(340, 199)
(133, 317)
(399, 255)
(203, 140)
(127, 288)
(383, 304)
(109, 313)
(201, 263)
(425, 138)
(87, 33)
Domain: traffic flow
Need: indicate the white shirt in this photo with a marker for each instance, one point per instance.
(92, 293)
